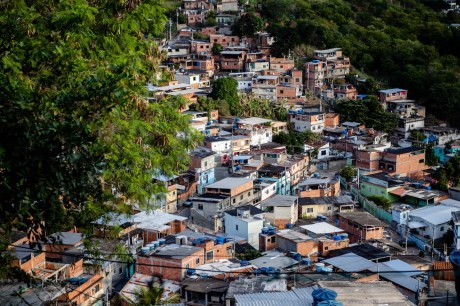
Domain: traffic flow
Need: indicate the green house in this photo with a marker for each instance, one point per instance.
(380, 185)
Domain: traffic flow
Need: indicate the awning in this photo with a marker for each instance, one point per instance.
(416, 224)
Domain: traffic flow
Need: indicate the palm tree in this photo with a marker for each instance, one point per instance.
(152, 295)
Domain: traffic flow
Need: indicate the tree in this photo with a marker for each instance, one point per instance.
(248, 25)
(226, 89)
(348, 173)
(294, 141)
(216, 49)
(76, 131)
(210, 18)
(430, 157)
(182, 19)
(381, 201)
(153, 295)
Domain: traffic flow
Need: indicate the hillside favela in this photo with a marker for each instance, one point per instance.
(229, 152)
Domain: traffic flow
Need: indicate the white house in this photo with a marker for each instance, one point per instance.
(245, 222)
(219, 145)
(258, 129)
(323, 148)
(313, 121)
(432, 222)
(267, 188)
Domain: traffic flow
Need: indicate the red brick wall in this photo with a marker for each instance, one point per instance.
(168, 268)
(266, 243)
(356, 232)
(325, 246)
(32, 263)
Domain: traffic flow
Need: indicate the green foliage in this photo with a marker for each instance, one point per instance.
(368, 112)
(74, 124)
(216, 49)
(227, 89)
(348, 173)
(381, 201)
(449, 175)
(430, 157)
(182, 19)
(210, 18)
(247, 25)
(152, 295)
(294, 141)
(406, 44)
(248, 255)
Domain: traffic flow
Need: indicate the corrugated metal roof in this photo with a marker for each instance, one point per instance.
(305, 293)
(350, 262)
(275, 298)
(397, 265)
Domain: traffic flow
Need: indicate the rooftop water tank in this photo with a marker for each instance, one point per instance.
(319, 266)
(162, 241)
(306, 261)
(145, 250)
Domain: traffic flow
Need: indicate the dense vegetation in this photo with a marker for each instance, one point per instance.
(368, 112)
(405, 43)
(77, 136)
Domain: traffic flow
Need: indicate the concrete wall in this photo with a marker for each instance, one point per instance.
(248, 230)
(304, 248)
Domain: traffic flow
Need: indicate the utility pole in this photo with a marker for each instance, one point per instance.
(170, 26)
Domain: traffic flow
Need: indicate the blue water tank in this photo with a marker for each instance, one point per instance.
(337, 237)
(427, 187)
(327, 270)
(315, 175)
(228, 239)
(297, 257)
(344, 235)
(191, 271)
(289, 225)
(306, 261)
(151, 246)
(204, 275)
(219, 240)
(162, 241)
(265, 230)
(244, 263)
(156, 244)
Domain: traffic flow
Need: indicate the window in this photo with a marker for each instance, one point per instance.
(249, 194)
(421, 161)
(229, 250)
(309, 210)
(241, 197)
(120, 270)
(442, 229)
(205, 163)
(96, 289)
(236, 227)
(234, 200)
(187, 266)
(329, 208)
(323, 152)
(209, 255)
(273, 239)
(197, 261)
(281, 91)
(200, 206)
(326, 248)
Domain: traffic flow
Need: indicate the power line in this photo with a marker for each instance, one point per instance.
(239, 272)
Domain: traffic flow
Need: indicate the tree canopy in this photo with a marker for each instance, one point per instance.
(77, 135)
(248, 25)
(368, 112)
(406, 44)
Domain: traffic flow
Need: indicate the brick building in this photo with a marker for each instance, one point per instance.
(361, 226)
(293, 241)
